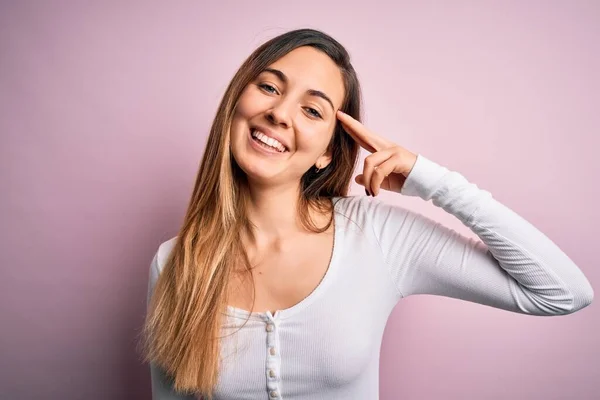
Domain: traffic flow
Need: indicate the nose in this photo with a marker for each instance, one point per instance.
(280, 114)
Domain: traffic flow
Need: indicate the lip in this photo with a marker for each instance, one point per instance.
(270, 134)
(262, 149)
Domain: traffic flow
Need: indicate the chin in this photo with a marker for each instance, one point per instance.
(260, 173)
(255, 167)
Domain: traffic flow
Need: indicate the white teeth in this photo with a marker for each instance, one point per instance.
(267, 140)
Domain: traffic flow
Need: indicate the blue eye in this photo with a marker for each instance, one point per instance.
(267, 88)
(313, 112)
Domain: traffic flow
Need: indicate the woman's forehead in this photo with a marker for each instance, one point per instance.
(310, 69)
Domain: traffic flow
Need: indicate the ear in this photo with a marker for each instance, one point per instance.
(323, 160)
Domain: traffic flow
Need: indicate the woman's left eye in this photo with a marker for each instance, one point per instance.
(268, 88)
(313, 112)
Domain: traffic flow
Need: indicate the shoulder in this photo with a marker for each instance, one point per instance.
(158, 263)
(351, 204)
(351, 208)
(163, 252)
(370, 214)
(364, 206)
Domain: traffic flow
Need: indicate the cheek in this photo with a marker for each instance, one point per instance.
(246, 108)
(313, 138)
(250, 104)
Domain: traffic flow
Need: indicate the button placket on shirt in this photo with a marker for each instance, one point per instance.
(273, 364)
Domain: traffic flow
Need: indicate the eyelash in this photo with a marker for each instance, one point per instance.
(311, 111)
(265, 86)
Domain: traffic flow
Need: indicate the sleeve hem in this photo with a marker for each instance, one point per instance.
(423, 180)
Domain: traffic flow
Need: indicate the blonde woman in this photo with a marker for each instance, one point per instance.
(279, 285)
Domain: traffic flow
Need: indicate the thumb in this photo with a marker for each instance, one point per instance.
(360, 179)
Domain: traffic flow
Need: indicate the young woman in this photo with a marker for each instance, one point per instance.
(279, 285)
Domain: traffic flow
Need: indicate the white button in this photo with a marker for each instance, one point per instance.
(273, 394)
(269, 327)
(272, 351)
(272, 373)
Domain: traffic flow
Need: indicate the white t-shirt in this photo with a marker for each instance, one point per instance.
(327, 346)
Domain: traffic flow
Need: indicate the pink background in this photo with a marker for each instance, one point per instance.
(104, 112)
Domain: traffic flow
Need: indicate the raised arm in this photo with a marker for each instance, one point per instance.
(514, 267)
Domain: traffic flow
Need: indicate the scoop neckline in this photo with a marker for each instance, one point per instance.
(312, 296)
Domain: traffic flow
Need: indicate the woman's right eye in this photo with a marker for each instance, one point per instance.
(268, 88)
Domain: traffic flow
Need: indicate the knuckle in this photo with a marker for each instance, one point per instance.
(397, 157)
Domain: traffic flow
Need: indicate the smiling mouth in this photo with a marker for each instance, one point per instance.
(266, 142)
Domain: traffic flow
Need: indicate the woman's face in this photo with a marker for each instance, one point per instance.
(293, 101)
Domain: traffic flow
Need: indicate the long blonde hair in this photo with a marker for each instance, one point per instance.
(184, 318)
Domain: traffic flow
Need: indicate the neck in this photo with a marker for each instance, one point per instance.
(273, 210)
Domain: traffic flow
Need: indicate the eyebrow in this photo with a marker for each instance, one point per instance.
(311, 92)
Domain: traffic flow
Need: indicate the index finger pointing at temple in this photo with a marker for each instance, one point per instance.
(358, 139)
(361, 133)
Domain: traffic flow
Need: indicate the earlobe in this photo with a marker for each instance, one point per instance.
(323, 161)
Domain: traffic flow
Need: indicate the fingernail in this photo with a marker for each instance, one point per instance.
(367, 192)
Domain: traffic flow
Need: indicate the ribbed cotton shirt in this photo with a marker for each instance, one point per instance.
(327, 346)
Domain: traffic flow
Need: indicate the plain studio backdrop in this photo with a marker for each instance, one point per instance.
(104, 113)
